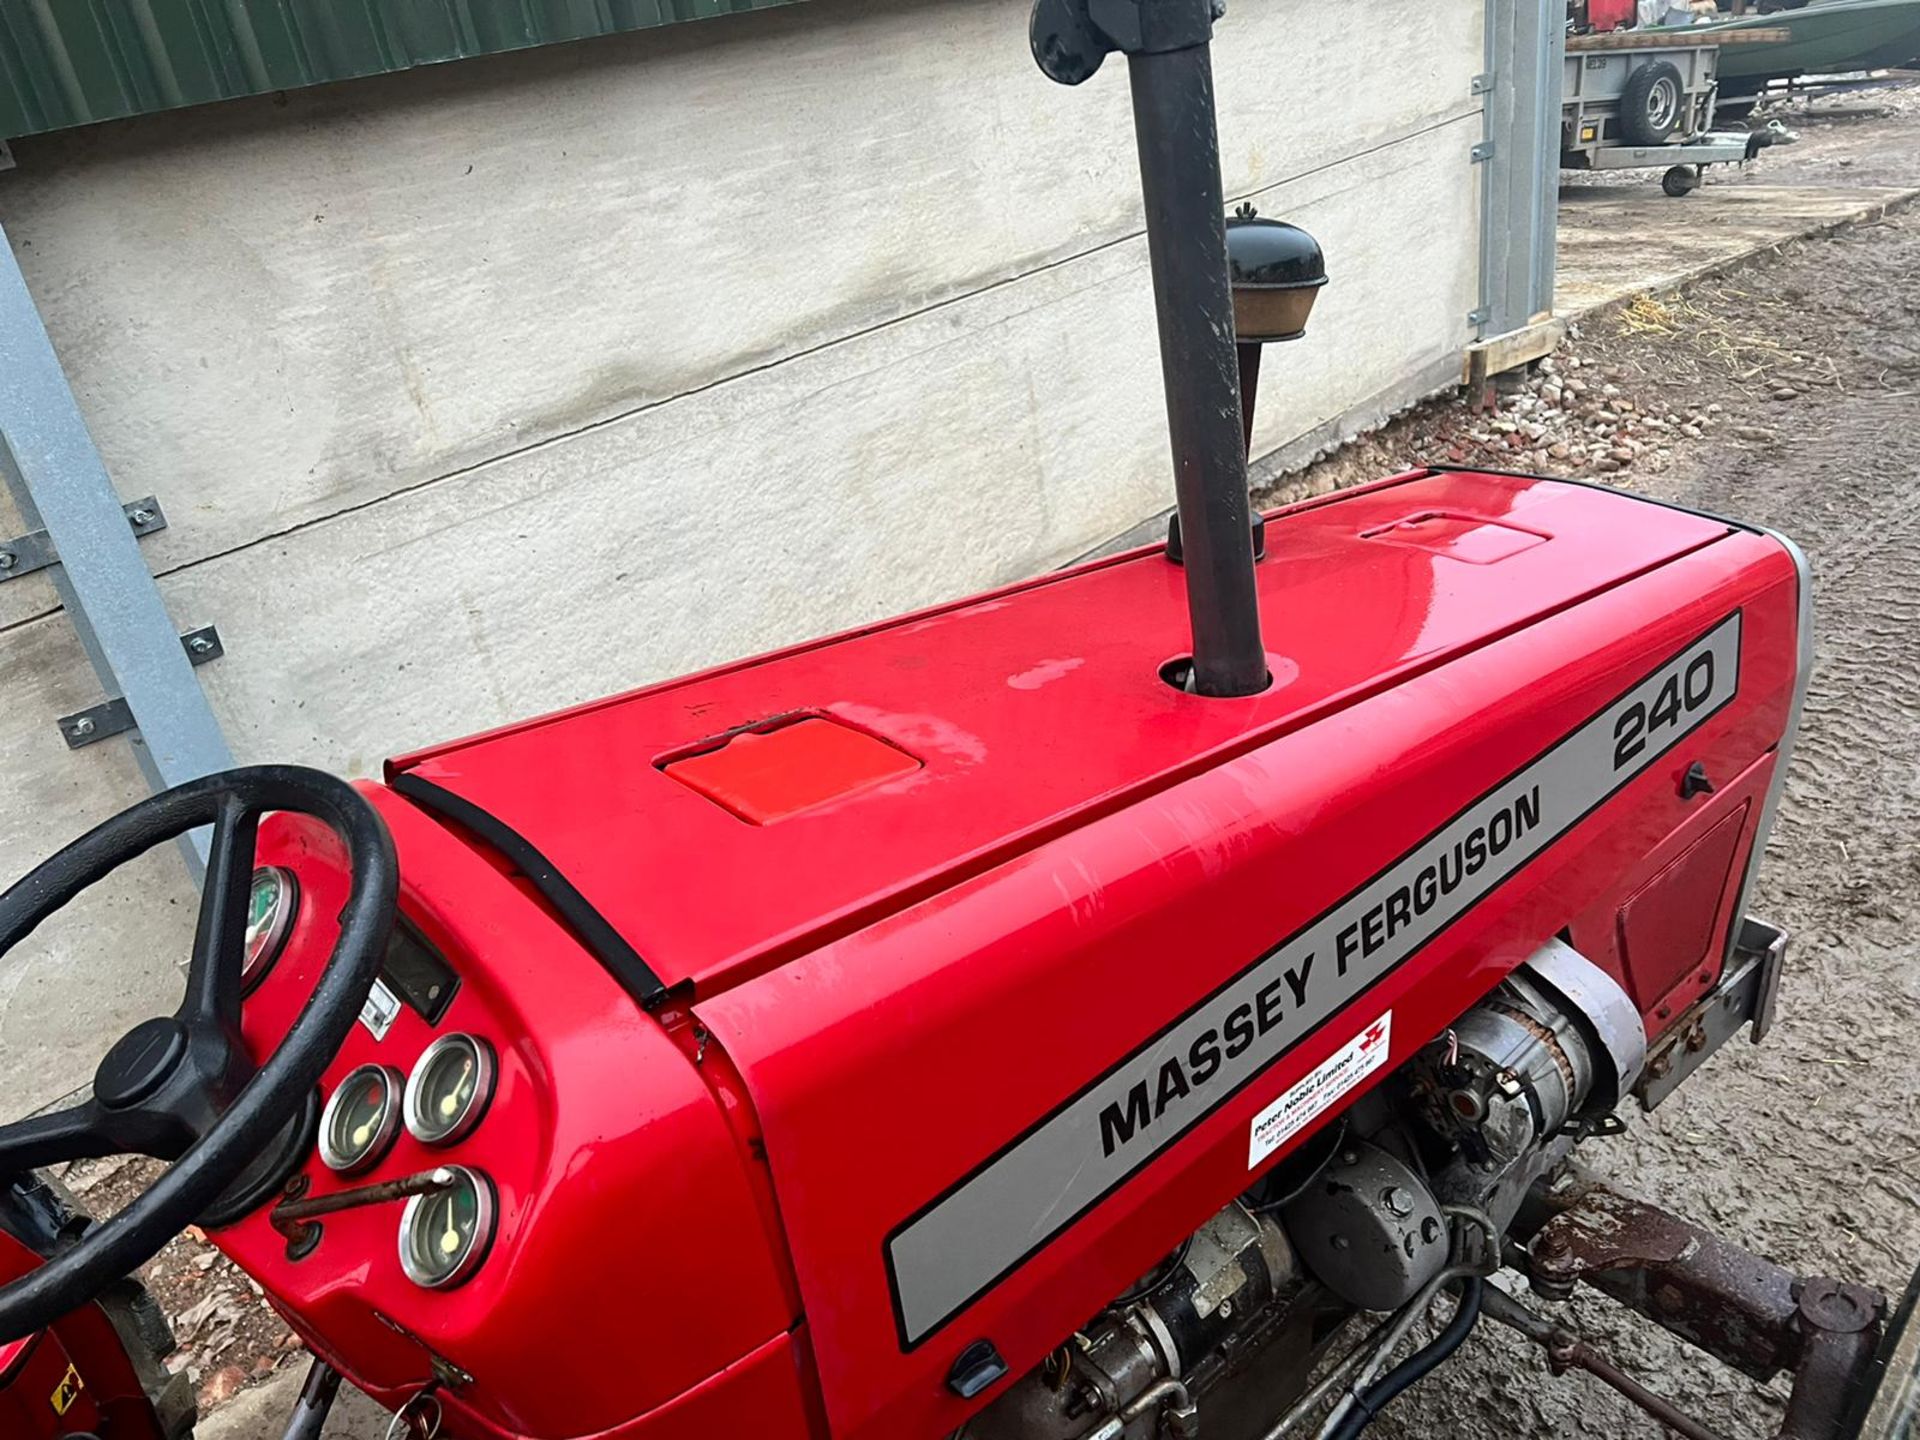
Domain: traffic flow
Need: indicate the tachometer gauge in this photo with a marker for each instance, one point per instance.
(270, 907)
(449, 1089)
(361, 1119)
(445, 1235)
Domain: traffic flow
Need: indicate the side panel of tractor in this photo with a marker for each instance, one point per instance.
(914, 1054)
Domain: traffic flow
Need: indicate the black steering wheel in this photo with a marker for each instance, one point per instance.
(181, 1087)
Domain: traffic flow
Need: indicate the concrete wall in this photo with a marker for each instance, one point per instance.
(477, 391)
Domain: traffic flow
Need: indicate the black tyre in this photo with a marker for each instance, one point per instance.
(1680, 180)
(1652, 103)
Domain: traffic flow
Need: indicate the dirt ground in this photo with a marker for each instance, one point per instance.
(1801, 377)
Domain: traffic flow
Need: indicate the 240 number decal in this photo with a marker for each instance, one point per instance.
(1681, 695)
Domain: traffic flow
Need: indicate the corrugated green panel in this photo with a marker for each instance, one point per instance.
(73, 62)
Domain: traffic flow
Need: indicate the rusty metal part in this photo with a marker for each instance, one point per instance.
(1736, 1306)
(1840, 1324)
(1566, 1351)
(294, 1215)
(1745, 995)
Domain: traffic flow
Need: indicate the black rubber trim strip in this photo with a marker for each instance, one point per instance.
(590, 927)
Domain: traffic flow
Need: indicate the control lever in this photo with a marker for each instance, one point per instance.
(310, 1411)
(295, 1216)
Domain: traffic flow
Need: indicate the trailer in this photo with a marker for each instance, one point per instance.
(1629, 102)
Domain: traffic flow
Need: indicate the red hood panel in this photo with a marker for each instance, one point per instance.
(1026, 708)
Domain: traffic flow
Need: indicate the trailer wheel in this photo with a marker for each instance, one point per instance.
(1651, 104)
(1680, 180)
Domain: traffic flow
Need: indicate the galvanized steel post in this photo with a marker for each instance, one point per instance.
(60, 483)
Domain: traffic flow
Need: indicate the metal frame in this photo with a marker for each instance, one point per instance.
(1726, 147)
(60, 485)
(1520, 155)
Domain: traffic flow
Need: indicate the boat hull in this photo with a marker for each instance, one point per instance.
(1826, 38)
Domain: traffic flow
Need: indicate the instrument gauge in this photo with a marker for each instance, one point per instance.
(361, 1119)
(271, 903)
(445, 1234)
(449, 1089)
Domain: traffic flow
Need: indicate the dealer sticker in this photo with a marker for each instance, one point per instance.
(1329, 1080)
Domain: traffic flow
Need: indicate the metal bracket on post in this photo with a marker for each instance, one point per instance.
(60, 485)
(115, 716)
(1519, 84)
(24, 554)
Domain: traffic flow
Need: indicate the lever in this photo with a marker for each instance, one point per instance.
(310, 1411)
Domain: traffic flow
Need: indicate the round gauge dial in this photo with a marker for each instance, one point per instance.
(445, 1235)
(449, 1089)
(361, 1119)
(271, 904)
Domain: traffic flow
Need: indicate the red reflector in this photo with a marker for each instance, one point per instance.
(767, 775)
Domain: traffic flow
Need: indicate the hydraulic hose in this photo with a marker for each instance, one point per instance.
(1370, 1402)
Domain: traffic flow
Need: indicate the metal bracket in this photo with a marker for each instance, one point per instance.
(34, 550)
(115, 716)
(1481, 153)
(1745, 995)
(1481, 84)
(1477, 317)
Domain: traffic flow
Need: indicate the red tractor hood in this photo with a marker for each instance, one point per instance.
(728, 821)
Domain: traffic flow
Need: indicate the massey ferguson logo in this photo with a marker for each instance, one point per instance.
(1148, 1100)
(1371, 920)
(1443, 868)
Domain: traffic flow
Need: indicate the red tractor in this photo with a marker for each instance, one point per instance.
(1056, 1014)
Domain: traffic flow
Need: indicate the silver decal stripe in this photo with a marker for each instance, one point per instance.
(963, 1243)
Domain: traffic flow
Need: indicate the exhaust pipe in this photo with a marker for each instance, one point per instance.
(1166, 43)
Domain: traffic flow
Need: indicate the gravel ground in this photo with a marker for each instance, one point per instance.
(1806, 370)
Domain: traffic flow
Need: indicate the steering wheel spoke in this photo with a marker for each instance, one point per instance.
(184, 1087)
(220, 935)
(76, 1133)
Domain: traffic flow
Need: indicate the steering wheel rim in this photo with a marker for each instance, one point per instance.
(206, 1091)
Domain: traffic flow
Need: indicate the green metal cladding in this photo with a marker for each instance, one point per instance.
(74, 62)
